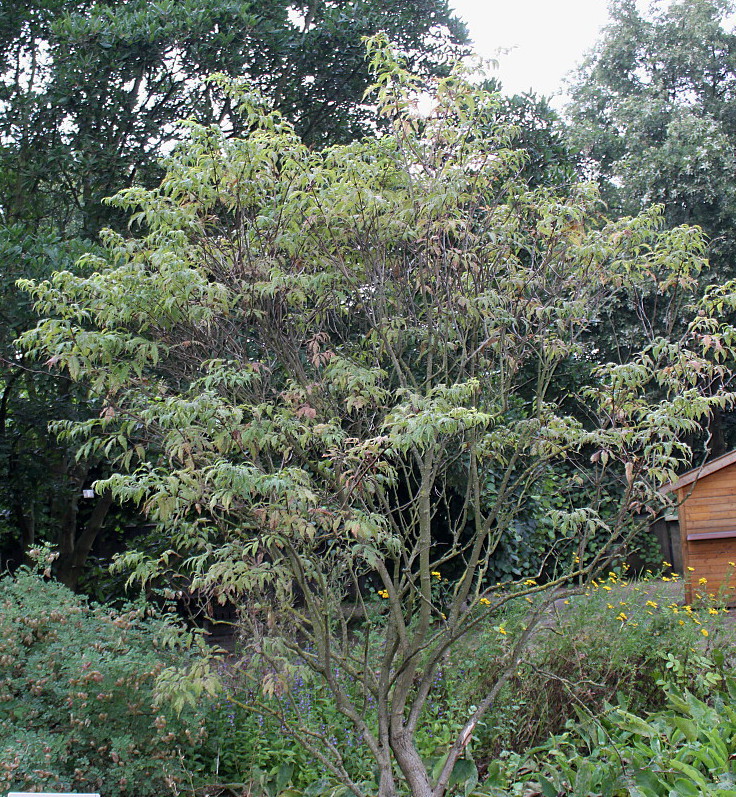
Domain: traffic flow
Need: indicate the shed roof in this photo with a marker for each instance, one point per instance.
(702, 471)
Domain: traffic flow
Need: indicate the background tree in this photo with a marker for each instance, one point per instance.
(653, 114)
(89, 94)
(541, 134)
(91, 90)
(314, 362)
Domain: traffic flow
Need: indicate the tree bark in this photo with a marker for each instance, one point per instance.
(71, 564)
(411, 764)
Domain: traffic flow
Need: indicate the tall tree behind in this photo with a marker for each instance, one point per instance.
(91, 90)
(541, 133)
(89, 96)
(654, 114)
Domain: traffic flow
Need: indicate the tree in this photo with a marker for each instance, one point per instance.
(89, 94)
(653, 112)
(91, 89)
(325, 373)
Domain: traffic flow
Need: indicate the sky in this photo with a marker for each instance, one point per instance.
(547, 38)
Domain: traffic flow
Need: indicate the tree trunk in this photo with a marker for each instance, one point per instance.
(386, 784)
(25, 518)
(411, 764)
(716, 439)
(71, 563)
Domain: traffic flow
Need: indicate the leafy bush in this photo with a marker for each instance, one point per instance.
(685, 750)
(77, 709)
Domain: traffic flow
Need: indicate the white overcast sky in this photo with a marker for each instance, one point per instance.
(548, 38)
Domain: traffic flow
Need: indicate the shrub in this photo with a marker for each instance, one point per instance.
(77, 709)
(685, 750)
(617, 638)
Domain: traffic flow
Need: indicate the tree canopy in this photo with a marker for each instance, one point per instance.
(90, 94)
(653, 113)
(653, 117)
(91, 90)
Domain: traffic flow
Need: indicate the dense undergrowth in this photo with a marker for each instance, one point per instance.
(632, 645)
(623, 691)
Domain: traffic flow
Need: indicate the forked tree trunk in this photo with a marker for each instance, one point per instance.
(75, 548)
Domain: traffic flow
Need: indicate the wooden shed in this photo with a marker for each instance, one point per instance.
(706, 498)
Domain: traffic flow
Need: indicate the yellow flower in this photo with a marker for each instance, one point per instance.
(666, 564)
(732, 564)
(682, 622)
(653, 604)
(443, 615)
(606, 587)
(530, 582)
(501, 630)
(691, 569)
(712, 610)
(383, 593)
(436, 574)
(704, 631)
(609, 605)
(622, 617)
(485, 601)
(703, 581)
(664, 578)
(528, 599)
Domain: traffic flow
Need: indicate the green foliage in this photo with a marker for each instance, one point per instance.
(684, 750)
(90, 94)
(653, 113)
(628, 643)
(653, 118)
(244, 743)
(326, 371)
(37, 475)
(255, 740)
(614, 640)
(540, 132)
(77, 701)
(91, 90)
